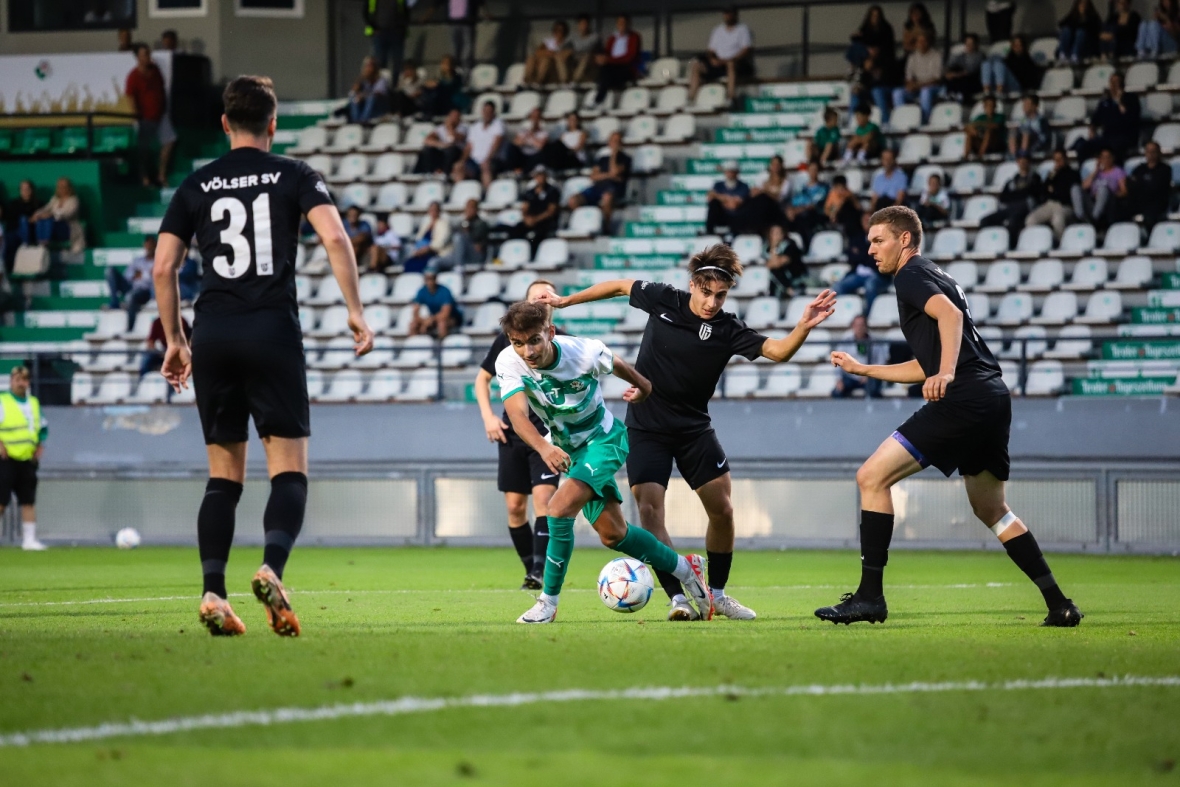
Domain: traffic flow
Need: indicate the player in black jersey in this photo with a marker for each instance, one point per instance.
(246, 358)
(964, 425)
(521, 471)
(686, 346)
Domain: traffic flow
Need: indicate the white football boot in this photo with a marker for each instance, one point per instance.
(730, 607)
(682, 610)
(544, 611)
(696, 586)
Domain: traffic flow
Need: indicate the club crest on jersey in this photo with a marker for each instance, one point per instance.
(706, 331)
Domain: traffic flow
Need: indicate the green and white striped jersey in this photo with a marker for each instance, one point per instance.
(567, 396)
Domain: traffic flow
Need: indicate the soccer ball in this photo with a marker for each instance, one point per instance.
(127, 538)
(625, 585)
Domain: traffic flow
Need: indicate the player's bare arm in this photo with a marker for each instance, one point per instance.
(517, 407)
(178, 362)
(820, 309)
(618, 288)
(326, 221)
(640, 386)
(492, 425)
(950, 331)
(906, 373)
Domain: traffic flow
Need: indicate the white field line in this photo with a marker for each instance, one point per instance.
(296, 592)
(410, 705)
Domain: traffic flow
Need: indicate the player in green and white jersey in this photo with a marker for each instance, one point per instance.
(558, 377)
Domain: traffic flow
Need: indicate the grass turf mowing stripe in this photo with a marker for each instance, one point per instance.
(409, 705)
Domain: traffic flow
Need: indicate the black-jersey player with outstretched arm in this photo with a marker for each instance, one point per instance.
(246, 357)
(963, 426)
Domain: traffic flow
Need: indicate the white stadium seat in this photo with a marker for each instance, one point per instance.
(502, 193)
(1015, 309)
(1030, 341)
(585, 222)
(1045, 378)
(945, 115)
(422, 386)
(990, 242)
(463, 191)
(1165, 239)
(820, 382)
(784, 380)
(662, 71)
(826, 245)
(383, 386)
(416, 351)
(559, 104)
(309, 140)
(346, 138)
(741, 381)
(1045, 275)
(1102, 307)
(975, 208)
(1077, 241)
(965, 273)
(1073, 342)
(678, 128)
(1088, 274)
(1134, 273)
(1001, 277)
(1033, 242)
(762, 312)
(387, 167)
(456, 350)
(384, 136)
(671, 99)
(1058, 309)
(483, 286)
(391, 196)
(915, 148)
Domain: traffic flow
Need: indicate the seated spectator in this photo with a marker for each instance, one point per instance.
(445, 93)
(864, 273)
(1114, 124)
(889, 183)
(404, 100)
(484, 139)
(385, 252)
(469, 241)
(1150, 187)
(841, 207)
(986, 131)
(858, 343)
(359, 231)
(586, 44)
(1104, 191)
(432, 240)
(1078, 32)
(524, 152)
(132, 288)
(1015, 72)
(18, 215)
(1120, 32)
(443, 146)
(725, 200)
(874, 31)
(618, 63)
(188, 280)
(805, 213)
(764, 208)
(730, 55)
(918, 23)
(1159, 34)
(963, 70)
(146, 89)
(934, 206)
(1017, 199)
(369, 97)
(57, 220)
(551, 58)
(923, 77)
(610, 176)
(784, 260)
(876, 82)
(568, 150)
(1032, 136)
(825, 147)
(442, 312)
(170, 42)
(540, 210)
(865, 142)
(154, 347)
(1062, 195)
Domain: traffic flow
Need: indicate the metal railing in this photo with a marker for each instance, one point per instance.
(60, 120)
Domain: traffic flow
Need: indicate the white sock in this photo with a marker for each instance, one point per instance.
(718, 592)
(683, 571)
(679, 598)
(848, 155)
(860, 156)
(551, 599)
(29, 531)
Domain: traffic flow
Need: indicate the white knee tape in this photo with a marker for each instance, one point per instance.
(1005, 522)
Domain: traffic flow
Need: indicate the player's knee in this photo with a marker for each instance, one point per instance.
(989, 513)
(611, 535)
(650, 512)
(868, 478)
(517, 509)
(721, 512)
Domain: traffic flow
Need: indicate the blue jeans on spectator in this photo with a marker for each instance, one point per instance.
(853, 281)
(856, 54)
(190, 279)
(994, 74)
(389, 49)
(851, 382)
(125, 295)
(1072, 43)
(1153, 40)
(925, 97)
(376, 105)
(44, 230)
(880, 95)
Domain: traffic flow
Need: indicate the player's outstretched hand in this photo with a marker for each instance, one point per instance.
(177, 366)
(551, 299)
(635, 394)
(935, 387)
(847, 363)
(818, 310)
(494, 428)
(362, 334)
(555, 459)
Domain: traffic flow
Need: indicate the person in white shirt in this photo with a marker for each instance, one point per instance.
(730, 55)
(484, 139)
(552, 56)
(935, 203)
(443, 146)
(386, 248)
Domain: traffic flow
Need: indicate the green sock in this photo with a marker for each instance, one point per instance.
(557, 555)
(642, 545)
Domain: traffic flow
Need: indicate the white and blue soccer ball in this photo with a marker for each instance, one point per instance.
(127, 538)
(625, 585)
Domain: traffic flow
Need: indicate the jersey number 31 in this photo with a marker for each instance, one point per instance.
(232, 236)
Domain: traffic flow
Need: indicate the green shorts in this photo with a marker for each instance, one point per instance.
(595, 464)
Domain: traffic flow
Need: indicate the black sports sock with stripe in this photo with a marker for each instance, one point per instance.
(215, 531)
(283, 518)
(522, 539)
(540, 544)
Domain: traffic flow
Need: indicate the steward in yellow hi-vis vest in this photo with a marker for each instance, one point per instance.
(22, 437)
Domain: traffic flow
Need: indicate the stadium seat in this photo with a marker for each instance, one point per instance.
(681, 127)
(670, 100)
(748, 248)
(356, 195)
(974, 209)
(110, 355)
(945, 115)
(416, 351)
(826, 246)
(111, 325)
(422, 387)
(1034, 242)
(337, 353)
(647, 159)
(1015, 309)
(1058, 309)
(386, 167)
(1005, 171)
(1157, 107)
(309, 140)
(905, 118)
(552, 254)
(513, 78)
(559, 104)
(81, 387)
(965, 273)
(405, 316)
(848, 307)
(990, 242)
(391, 197)
(481, 287)
(306, 319)
(633, 101)
(521, 105)
(495, 99)
(1045, 378)
(949, 243)
(601, 128)
(384, 137)
(333, 322)
(952, 149)
(383, 386)
(112, 388)
(634, 320)
(461, 192)
(1068, 111)
(1077, 241)
(820, 383)
(327, 293)
(502, 193)
(426, 192)
(405, 287)
(1164, 239)
(1134, 273)
(483, 77)
(1010, 374)
(710, 98)
(1088, 274)
(783, 380)
(818, 346)
(585, 222)
(1102, 307)
(640, 129)
(345, 386)
(762, 312)
(833, 272)
(1044, 276)
(354, 166)
(1030, 341)
(152, 389)
(379, 316)
(921, 176)
(315, 384)
(1001, 277)
(1121, 238)
(915, 148)
(382, 354)
(402, 224)
(456, 350)
(347, 138)
(1056, 81)
(741, 381)
(883, 313)
(1095, 79)
(514, 253)
(589, 109)
(1043, 50)
(373, 287)
(1167, 135)
(1072, 342)
(663, 71)
(415, 137)
(487, 318)
(509, 217)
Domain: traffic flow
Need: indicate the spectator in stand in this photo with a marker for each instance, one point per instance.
(568, 150)
(876, 82)
(169, 41)
(18, 216)
(1015, 72)
(1114, 124)
(524, 152)
(864, 274)
(410, 88)
(730, 55)
(765, 206)
(825, 147)
(57, 220)
(432, 240)
(986, 131)
(1031, 137)
(618, 64)
(360, 232)
(1158, 35)
(551, 58)
(1078, 32)
(386, 249)
(1120, 31)
(1104, 192)
(540, 210)
(1019, 196)
(963, 70)
(442, 310)
(1150, 187)
(923, 77)
(123, 42)
(784, 261)
(369, 97)
(874, 32)
(1062, 195)
(463, 16)
(841, 207)
(805, 213)
(726, 200)
(610, 176)
(889, 183)
(443, 146)
(154, 347)
(934, 206)
(484, 139)
(386, 22)
(586, 44)
(858, 343)
(865, 142)
(918, 22)
(469, 240)
(132, 289)
(145, 87)
(445, 93)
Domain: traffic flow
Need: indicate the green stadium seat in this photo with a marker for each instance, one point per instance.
(32, 141)
(112, 139)
(72, 139)
(5, 141)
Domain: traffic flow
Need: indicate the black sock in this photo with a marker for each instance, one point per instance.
(522, 539)
(283, 518)
(1026, 554)
(215, 531)
(876, 531)
(669, 583)
(719, 565)
(540, 543)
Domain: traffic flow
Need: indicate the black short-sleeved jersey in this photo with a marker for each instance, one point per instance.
(489, 365)
(245, 209)
(684, 357)
(977, 374)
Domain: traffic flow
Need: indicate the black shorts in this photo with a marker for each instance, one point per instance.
(699, 458)
(18, 477)
(237, 381)
(521, 468)
(969, 436)
(744, 68)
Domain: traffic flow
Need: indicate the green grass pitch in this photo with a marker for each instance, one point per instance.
(384, 624)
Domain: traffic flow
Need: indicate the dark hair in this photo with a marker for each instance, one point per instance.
(899, 219)
(136, 47)
(830, 113)
(169, 34)
(1033, 97)
(564, 27)
(250, 104)
(717, 263)
(583, 16)
(839, 180)
(523, 317)
(972, 36)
